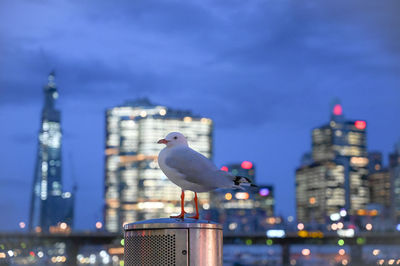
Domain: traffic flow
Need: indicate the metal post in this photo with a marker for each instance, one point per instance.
(72, 252)
(356, 255)
(285, 254)
(173, 242)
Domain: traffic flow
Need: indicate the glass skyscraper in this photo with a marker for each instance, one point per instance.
(135, 187)
(337, 176)
(50, 206)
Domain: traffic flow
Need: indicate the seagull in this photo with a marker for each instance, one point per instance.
(191, 170)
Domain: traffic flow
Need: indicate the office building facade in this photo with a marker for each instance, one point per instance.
(337, 177)
(380, 188)
(394, 171)
(243, 210)
(135, 187)
(375, 161)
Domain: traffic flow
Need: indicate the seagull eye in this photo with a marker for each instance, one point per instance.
(175, 137)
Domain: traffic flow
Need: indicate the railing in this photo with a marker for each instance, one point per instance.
(76, 240)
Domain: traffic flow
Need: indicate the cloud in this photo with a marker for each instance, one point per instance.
(241, 63)
(23, 82)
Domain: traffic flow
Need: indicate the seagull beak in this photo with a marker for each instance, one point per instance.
(162, 141)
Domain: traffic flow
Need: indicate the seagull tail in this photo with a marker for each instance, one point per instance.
(242, 182)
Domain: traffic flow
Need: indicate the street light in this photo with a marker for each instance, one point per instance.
(368, 227)
(99, 225)
(305, 252)
(300, 226)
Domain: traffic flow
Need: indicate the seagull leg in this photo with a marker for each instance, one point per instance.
(197, 207)
(182, 215)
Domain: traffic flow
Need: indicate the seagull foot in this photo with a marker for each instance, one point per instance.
(194, 217)
(180, 216)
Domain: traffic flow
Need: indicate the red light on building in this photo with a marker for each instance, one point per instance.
(224, 168)
(337, 109)
(360, 124)
(247, 165)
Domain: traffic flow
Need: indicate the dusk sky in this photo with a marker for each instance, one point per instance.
(265, 71)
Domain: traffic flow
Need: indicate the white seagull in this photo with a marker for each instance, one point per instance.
(191, 170)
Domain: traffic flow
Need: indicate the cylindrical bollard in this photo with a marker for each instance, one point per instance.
(173, 242)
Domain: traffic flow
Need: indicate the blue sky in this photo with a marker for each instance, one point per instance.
(265, 71)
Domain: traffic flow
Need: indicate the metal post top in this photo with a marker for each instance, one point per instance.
(164, 223)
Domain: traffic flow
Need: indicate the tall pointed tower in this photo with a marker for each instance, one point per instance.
(49, 205)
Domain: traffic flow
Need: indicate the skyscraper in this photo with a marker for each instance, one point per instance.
(374, 161)
(243, 210)
(394, 170)
(338, 176)
(320, 191)
(135, 187)
(379, 181)
(49, 204)
(380, 188)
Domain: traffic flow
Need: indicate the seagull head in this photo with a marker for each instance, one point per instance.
(174, 139)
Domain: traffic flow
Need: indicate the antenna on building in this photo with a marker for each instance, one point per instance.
(51, 79)
(336, 109)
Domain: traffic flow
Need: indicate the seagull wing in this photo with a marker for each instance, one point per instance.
(196, 168)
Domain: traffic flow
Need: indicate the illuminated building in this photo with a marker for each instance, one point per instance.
(394, 169)
(374, 161)
(243, 210)
(244, 168)
(394, 158)
(135, 188)
(379, 184)
(379, 181)
(320, 190)
(337, 177)
(50, 206)
(306, 159)
(339, 138)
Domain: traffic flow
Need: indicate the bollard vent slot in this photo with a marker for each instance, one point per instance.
(149, 249)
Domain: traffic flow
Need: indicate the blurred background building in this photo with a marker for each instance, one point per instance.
(337, 176)
(50, 206)
(135, 187)
(249, 210)
(375, 161)
(394, 170)
(379, 179)
(379, 185)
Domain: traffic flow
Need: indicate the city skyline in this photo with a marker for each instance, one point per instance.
(221, 165)
(264, 80)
